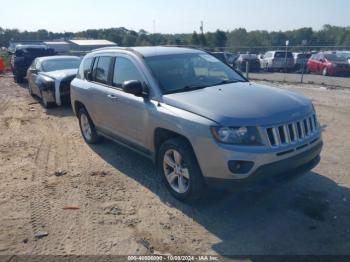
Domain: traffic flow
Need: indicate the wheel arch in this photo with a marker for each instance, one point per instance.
(162, 134)
(77, 106)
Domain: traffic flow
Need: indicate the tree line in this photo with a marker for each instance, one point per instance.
(235, 40)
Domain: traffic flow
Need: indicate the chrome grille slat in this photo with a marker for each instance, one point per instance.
(302, 129)
(276, 136)
(293, 132)
(286, 133)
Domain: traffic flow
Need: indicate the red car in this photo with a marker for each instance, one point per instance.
(328, 64)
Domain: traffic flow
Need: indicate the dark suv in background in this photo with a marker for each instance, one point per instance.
(23, 56)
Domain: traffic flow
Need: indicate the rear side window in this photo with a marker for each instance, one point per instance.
(101, 69)
(87, 66)
(125, 70)
(283, 55)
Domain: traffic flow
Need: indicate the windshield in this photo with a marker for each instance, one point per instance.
(334, 57)
(34, 52)
(60, 64)
(185, 72)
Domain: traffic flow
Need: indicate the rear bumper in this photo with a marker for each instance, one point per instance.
(286, 168)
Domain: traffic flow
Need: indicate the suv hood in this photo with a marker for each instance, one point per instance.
(60, 74)
(242, 104)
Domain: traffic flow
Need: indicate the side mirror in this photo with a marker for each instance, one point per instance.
(134, 87)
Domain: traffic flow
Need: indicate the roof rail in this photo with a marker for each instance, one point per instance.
(118, 48)
(111, 47)
(187, 46)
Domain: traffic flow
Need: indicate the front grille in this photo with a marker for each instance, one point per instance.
(291, 133)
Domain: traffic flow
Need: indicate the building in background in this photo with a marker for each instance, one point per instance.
(86, 45)
(60, 47)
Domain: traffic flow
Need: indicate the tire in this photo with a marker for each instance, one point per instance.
(325, 71)
(85, 122)
(187, 170)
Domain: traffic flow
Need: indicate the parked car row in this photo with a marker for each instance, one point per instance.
(326, 63)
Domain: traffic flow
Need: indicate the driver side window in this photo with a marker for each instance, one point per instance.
(125, 70)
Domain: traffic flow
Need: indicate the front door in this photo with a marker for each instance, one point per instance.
(131, 117)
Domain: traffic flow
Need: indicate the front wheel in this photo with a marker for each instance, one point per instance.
(45, 103)
(179, 169)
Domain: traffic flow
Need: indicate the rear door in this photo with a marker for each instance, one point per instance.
(101, 104)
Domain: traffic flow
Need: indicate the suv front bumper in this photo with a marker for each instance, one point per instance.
(266, 161)
(283, 169)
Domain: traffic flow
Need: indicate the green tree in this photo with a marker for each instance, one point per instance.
(195, 39)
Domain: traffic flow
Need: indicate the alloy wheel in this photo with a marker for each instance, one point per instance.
(85, 126)
(176, 172)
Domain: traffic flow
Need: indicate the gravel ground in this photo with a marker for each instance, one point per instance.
(105, 199)
(342, 82)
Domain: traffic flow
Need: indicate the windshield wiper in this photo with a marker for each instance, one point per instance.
(223, 82)
(190, 88)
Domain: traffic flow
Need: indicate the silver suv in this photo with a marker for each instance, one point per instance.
(277, 61)
(199, 120)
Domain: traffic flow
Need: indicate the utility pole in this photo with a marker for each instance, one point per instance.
(285, 61)
(201, 28)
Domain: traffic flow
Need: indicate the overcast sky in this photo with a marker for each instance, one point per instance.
(172, 16)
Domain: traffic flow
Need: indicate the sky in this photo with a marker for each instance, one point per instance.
(172, 16)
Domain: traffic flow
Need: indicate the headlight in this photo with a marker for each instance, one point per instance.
(334, 65)
(237, 135)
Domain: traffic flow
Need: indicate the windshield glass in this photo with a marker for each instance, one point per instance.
(60, 64)
(185, 72)
(334, 57)
(34, 52)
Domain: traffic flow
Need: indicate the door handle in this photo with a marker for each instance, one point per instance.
(112, 97)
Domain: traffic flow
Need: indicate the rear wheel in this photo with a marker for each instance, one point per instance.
(87, 127)
(179, 169)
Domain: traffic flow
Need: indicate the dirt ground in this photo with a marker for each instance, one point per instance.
(105, 199)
